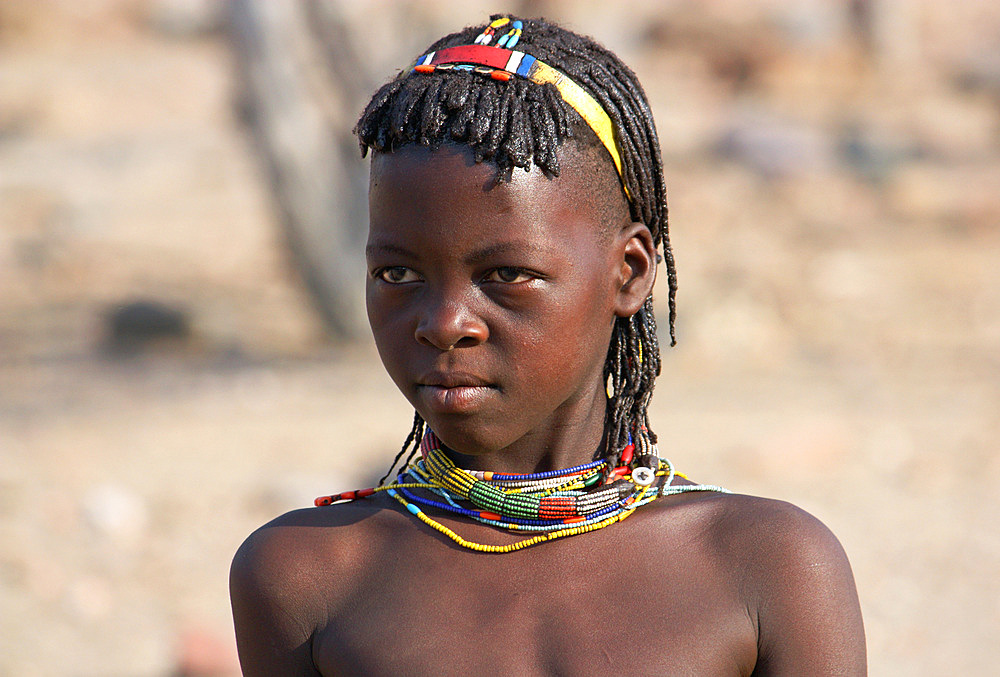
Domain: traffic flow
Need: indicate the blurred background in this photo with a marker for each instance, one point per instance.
(183, 353)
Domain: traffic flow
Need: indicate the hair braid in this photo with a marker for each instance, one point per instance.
(416, 434)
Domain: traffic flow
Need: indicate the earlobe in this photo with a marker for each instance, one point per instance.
(638, 268)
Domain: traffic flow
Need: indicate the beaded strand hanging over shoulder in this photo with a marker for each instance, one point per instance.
(551, 505)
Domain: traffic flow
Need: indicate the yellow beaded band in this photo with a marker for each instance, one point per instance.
(500, 64)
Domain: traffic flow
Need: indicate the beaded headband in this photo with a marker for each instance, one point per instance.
(502, 62)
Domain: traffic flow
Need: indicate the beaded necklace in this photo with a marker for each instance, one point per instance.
(552, 504)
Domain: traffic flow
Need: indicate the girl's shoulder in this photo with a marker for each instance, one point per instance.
(288, 574)
(758, 536)
(315, 542)
(753, 526)
(793, 576)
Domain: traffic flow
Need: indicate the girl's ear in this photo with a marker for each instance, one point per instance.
(638, 268)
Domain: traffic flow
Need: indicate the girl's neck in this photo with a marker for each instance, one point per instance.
(552, 450)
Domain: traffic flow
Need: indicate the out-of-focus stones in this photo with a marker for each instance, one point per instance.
(115, 513)
(134, 325)
(967, 197)
(203, 652)
(775, 147)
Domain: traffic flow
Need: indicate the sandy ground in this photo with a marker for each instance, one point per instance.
(839, 331)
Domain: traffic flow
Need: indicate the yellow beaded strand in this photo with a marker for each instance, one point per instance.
(519, 545)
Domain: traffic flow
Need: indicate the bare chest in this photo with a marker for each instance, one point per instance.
(589, 605)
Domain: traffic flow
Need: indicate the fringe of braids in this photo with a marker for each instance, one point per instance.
(518, 123)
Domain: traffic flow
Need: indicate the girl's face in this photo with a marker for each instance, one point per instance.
(492, 304)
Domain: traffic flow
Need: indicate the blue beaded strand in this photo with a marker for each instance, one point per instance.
(544, 475)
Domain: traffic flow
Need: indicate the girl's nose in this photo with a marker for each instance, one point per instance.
(449, 323)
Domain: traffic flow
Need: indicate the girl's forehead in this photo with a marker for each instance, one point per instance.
(447, 187)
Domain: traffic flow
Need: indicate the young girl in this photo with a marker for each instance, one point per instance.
(517, 209)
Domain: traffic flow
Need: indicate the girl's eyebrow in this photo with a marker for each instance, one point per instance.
(477, 256)
(486, 253)
(386, 248)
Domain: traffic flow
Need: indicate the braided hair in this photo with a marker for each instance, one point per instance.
(517, 123)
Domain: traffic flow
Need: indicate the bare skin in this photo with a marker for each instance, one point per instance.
(492, 307)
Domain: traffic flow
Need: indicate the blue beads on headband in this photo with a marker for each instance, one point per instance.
(511, 37)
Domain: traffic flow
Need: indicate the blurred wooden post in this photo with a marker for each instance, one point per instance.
(301, 89)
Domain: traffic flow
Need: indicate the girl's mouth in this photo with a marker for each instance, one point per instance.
(454, 399)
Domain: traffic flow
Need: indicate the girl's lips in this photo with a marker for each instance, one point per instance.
(454, 399)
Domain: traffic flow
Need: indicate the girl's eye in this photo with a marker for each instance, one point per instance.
(508, 275)
(396, 275)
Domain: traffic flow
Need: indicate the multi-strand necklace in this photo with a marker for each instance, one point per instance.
(550, 505)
